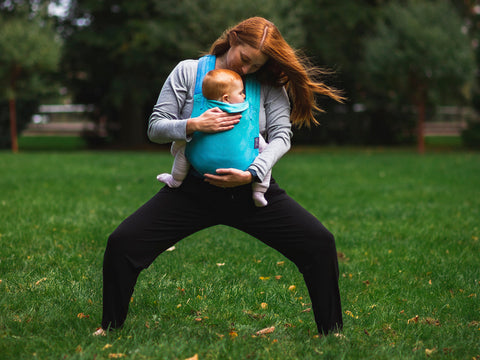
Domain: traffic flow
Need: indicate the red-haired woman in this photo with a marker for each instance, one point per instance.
(253, 46)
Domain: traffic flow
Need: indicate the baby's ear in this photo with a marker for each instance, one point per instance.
(225, 98)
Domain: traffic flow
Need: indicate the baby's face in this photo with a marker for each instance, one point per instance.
(236, 92)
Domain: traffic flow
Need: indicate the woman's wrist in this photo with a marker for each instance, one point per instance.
(191, 126)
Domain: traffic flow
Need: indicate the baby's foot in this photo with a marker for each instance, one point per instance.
(169, 180)
(259, 199)
(100, 332)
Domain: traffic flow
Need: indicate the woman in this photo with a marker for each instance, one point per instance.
(253, 46)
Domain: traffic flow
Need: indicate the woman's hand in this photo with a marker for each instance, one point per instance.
(212, 121)
(227, 178)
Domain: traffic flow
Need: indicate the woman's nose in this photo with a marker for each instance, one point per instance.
(246, 69)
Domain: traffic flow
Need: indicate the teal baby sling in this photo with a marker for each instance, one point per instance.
(235, 148)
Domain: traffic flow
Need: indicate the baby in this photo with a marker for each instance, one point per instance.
(224, 89)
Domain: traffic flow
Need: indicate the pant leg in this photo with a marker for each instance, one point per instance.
(171, 215)
(287, 227)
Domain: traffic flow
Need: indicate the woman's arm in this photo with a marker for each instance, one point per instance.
(170, 119)
(278, 130)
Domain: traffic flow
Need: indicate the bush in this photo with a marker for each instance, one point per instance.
(25, 110)
(471, 135)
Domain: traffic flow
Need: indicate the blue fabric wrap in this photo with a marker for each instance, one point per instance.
(235, 148)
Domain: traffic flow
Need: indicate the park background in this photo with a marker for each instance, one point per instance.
(394, 173)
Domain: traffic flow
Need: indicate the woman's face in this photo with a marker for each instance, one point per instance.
(244, 59)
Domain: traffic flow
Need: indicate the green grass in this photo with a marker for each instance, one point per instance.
(48, 143)
(407, 230)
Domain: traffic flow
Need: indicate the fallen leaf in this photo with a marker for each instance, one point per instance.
(366, 332)
(107, 346)
(41, 280)
(342, 257)
(431, 321)
(413, 320)
(253, 315)
(277, 277)
(82, 316)
(280, 263)
(349, 313)
(292, 287)
(429, 352)
(263, 278)
(220, 264)
(116, 356)
(233, 334)
(194, 357)
(171, 248)
(268, 330)
(264, 305)
(307, 310)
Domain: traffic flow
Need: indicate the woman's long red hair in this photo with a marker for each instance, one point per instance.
(285, 67)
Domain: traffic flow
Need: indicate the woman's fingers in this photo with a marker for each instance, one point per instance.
(215, 120)
(229, 178)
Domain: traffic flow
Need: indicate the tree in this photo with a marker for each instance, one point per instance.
(419, 55)
(28, 49)
(118, 53)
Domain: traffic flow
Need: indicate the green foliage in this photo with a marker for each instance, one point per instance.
(134, 45)
(406, 229)
(418, 50)
(30, 48)
(471, 135)
(29, 55)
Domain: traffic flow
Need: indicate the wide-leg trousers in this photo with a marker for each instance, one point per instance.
(173, 214)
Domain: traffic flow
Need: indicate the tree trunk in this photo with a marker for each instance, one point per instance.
(13, 124)
(12, 108)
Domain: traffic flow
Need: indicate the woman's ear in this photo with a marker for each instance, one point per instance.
(233, 38)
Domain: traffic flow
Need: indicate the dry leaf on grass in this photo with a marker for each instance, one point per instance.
(413, 320)
(40, 281)
(116, 356)
(194, 357)
(268, 330)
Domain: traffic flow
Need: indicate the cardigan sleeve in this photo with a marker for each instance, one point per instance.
(168, 121)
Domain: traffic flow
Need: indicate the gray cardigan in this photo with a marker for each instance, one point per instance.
(174, 106)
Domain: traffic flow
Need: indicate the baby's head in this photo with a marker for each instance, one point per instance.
(223, 85)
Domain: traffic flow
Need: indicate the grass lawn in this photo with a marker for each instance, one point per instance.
(407, 230)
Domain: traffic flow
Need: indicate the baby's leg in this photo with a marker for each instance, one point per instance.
(179, 169)
(259, 189)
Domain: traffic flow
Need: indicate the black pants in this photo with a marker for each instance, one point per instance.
(173, 214)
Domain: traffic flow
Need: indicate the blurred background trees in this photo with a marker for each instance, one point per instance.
(384, 53)
(29, 56)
